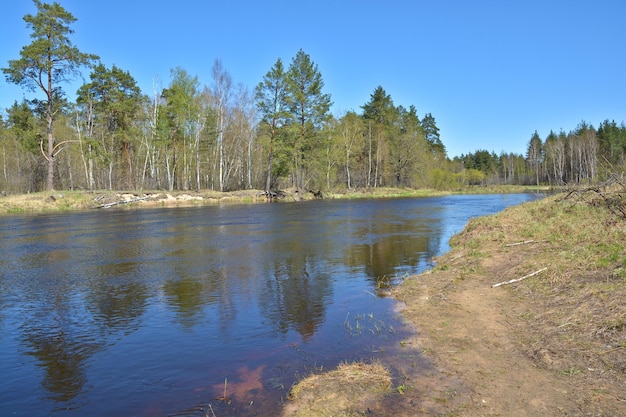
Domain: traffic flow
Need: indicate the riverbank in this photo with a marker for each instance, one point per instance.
(552, 343)
(85, 200)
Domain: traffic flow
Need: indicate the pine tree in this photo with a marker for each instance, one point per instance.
(431, 134)
(534, 154)
(271, 98)
(380, 112)
(50, 60)
(309, 108)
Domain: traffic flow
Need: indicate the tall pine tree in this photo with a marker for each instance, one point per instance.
(309, 108)
(271, 99)
(50, 60)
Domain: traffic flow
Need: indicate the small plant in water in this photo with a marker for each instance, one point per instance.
(367, 322)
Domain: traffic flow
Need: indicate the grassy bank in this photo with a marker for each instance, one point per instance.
(553, 343)
(59, 201)
(84, 200)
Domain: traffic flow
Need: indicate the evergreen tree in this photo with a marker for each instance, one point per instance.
(612, 143)
(23, 123)
(271, 99)
(431, 134)
(309, 108)
(48, 61)
(534, 154)
(379, 111)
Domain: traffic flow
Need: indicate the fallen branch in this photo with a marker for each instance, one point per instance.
(520, 243)
(115, 203)
(518, 279)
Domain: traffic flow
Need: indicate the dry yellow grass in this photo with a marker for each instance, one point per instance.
(551, 344)
(350, 390)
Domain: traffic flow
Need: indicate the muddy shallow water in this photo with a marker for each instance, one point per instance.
(154, 311)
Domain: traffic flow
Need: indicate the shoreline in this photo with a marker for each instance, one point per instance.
(552, 344)
(67, 201)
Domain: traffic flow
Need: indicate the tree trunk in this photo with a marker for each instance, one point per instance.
(348, 167)
(369, 156)
(50, 155)
(268, 180)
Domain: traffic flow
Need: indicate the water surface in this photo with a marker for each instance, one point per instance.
(148, 312)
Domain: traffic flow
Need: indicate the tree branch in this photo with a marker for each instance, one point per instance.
(518, 279)
(42, 152)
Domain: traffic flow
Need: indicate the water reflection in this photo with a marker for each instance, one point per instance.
(152, 309)
(296, 295)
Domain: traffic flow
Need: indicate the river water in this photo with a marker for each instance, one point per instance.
(163, 311)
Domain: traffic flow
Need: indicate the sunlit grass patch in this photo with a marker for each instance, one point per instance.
(349, 390)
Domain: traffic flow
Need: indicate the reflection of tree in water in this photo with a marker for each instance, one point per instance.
(117, 293)
(295, 296)
(117, 306)
(188, 295)
(186, 298)
(63, 333)
(56, 339)
(392, 249)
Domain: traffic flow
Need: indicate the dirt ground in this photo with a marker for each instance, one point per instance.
(483, 364)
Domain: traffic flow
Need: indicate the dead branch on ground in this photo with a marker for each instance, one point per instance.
(610, 194)
(520, 243)
(518, 279)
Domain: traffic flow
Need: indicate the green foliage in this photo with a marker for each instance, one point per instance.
(481, 160)
(308, 108)
(110, 103)
(380, 109)
(51, 58)
(48, 61)
(473, 177)
(271, 101)
(612, 141)
(431, 134)
(24, 125)
(441, 179)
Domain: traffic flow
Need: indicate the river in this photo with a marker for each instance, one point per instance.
(162, 311)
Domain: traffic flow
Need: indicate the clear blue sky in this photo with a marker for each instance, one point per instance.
(490, 72)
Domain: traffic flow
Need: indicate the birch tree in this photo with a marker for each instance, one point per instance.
(112, 101)
(351, 131)
(222, 86)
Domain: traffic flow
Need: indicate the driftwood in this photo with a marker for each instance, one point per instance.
(518, 279)
(115, 203)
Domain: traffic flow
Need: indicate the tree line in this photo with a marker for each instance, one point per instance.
(584, 155)
(224, 136)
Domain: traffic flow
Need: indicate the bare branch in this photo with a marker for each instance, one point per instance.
(518, 279)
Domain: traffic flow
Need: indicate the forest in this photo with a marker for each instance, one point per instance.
(226, 136)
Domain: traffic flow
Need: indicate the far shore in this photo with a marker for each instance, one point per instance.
(63, 200)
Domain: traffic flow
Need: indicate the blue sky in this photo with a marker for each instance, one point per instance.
(490, 72)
